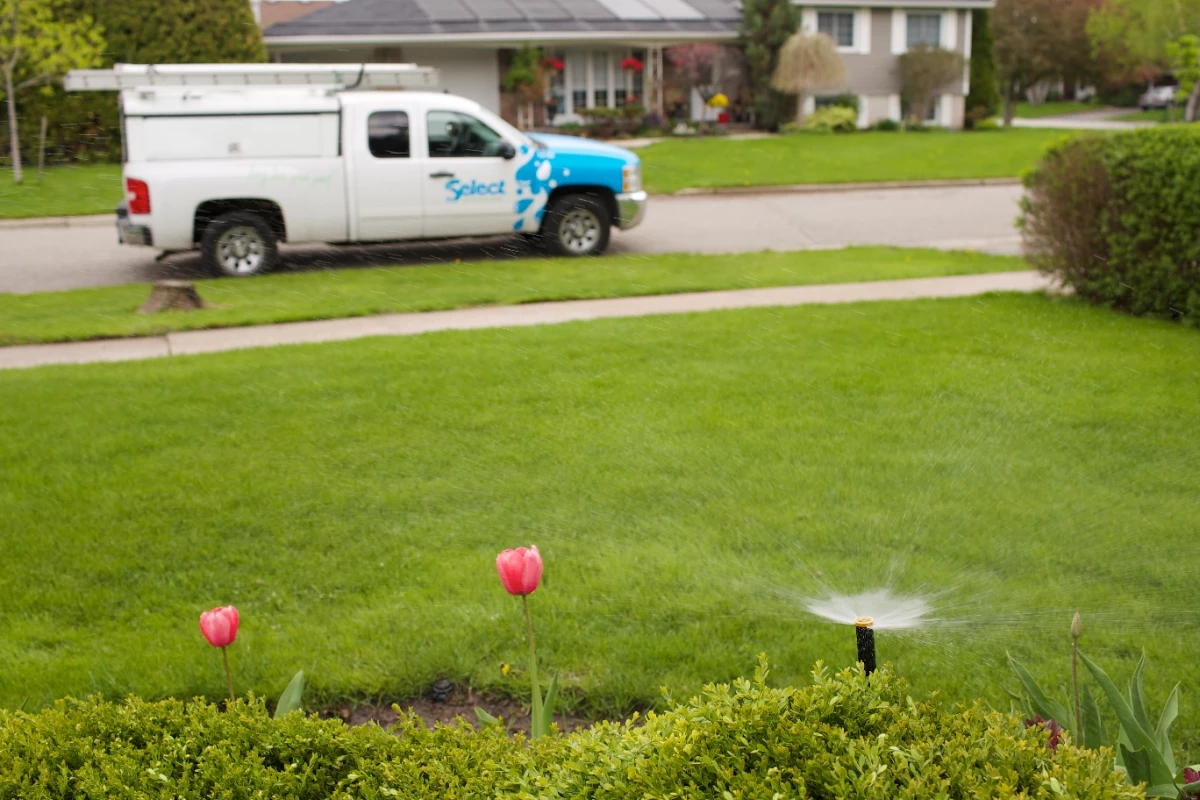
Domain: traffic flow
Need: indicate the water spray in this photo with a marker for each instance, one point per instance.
(865, 632)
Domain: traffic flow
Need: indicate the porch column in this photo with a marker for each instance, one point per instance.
(654, 79)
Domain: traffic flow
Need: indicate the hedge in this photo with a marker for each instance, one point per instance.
(843, 736)
(1114, 218)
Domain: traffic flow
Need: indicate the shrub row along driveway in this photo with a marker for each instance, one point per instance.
(1018, 456)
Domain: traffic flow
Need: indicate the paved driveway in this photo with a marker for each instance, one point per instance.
(977, 217)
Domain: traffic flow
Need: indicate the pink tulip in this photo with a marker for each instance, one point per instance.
(520, 570)
(220, 626)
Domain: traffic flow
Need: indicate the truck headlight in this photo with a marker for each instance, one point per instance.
(631, 178)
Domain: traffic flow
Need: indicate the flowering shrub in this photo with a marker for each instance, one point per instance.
(845, 736)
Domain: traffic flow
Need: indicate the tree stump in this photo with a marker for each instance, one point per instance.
(172, 296)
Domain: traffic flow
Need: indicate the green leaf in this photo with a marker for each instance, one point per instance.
(548, 706)
(1137, 765)
(1165, 721)
(1092, 736)
(1162, 790)
(1136, 700)
(1138, 737)
(485, 718)
(289, 701)
(1041, 705)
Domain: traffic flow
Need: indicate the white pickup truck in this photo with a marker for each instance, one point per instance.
(235, 159)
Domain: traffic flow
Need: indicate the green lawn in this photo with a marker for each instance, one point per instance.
(689, 480)
(850, 158)
(1159, 115)
(66, 191)
(1057, 109)
(112, 311)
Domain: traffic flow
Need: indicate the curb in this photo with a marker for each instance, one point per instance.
(821, 188)
(215, 340)
(89, 221)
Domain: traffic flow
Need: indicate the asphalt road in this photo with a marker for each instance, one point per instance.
(977, 217)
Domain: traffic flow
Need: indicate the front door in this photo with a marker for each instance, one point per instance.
(387, 180)
(470, 186)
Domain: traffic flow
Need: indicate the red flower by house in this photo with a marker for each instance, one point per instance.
(632, 64)
(553, 64)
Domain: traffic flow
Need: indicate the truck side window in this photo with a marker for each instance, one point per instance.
(387, 134)
(453, 134)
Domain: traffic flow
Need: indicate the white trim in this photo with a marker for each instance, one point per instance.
(968, 23)
(894, 109)
(808, 20)
(863, 31)
(967, 34)
(945, 110)
(863, 115)
(949, 34)
(810, 104)
(899, 31)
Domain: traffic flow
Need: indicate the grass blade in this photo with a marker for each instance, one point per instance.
(1092, 736)
(548, 706)
(1163, 731)
(1138, 737)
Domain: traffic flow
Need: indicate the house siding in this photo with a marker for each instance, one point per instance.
(875, 76)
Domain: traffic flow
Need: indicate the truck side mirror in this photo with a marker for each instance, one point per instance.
(506, 151)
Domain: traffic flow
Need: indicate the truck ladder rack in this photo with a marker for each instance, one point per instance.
(241, 76)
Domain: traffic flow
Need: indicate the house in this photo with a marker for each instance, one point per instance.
(271, 12)
(472, 41)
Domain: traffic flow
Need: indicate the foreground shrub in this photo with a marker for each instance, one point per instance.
(844, 736)
(1114, 218)
(833, 119)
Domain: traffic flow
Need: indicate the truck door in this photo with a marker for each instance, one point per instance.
(470, 177)
(386, 180)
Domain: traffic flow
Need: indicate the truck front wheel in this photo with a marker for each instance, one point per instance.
(239, 244)
(577, 225)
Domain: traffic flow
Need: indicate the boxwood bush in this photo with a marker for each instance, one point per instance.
(844, 736)
(1114, 218)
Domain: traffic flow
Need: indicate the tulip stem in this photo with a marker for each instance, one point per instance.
(537, 694)
(228, 674)
(1075, 686)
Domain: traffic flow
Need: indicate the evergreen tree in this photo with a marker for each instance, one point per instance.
(766, 26)
(178, 31)
(984, 99)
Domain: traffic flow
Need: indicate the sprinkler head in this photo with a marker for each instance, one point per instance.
(865, 634)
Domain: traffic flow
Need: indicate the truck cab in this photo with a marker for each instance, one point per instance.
(236, 170)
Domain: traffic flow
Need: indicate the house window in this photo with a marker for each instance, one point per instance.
(577, 64)
(837, 25)
(453, 134)
(924, 29)
(387, 134)
(600, 78)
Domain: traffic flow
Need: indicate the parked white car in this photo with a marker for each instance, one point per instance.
(1157, 97)
(234, 159)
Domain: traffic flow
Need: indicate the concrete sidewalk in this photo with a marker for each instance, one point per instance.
(219, 340)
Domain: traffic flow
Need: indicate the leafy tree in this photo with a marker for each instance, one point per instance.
(526, 79)
(766, 26)
(984, 98)
(177, 31)
(1135, 33)
(808, 63)
(697, 66)
(38, 43)
(1185, 61)
(923, 71)
(1025, 47)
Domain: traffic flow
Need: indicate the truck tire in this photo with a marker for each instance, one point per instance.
(577, 225)
(239, 244)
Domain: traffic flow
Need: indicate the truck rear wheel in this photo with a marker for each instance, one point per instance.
(577, 225)
(239, 244)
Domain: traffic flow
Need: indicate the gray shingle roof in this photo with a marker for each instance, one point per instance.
(464, 17)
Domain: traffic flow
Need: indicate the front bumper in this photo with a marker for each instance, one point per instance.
(128, 233)
(631, 209)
